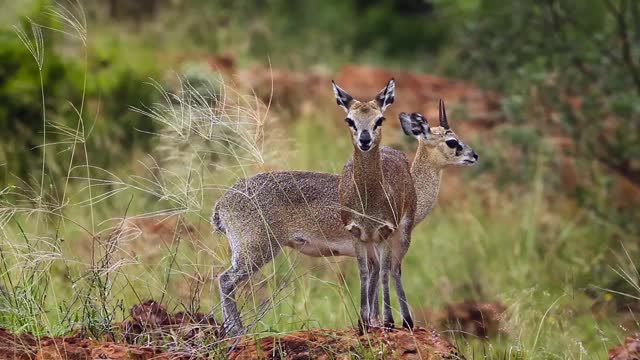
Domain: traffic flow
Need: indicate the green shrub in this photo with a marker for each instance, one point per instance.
(570, 69)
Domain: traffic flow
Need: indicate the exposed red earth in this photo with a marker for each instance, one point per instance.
(28, 347)
(343, 344)
(312, 344)
(629, 350)
(153, 333)
(186, 336)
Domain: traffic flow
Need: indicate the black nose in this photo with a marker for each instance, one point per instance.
(365, 137)
(365, 140)
(475, 156)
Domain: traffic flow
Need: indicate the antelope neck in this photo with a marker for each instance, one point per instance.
(426, 175)
(367, 173)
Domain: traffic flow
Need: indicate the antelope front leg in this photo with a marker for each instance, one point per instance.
(361, 255)
(405, 235)
(407, 321)
(372, 291)
(385, 269)
(375, 304)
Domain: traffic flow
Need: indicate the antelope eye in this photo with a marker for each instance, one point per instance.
(379, 122)
(350, 123)
(452, 143)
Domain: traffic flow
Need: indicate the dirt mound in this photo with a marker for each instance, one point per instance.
(14, 346)
(630, 350)
(181, 335)
(26, 346)
(481, 319)
(151, 321)
(343, 344)
(311, 344)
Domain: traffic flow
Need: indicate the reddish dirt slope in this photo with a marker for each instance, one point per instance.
(343, 344)
(305, 93)
(420, 93)
(312, 344)
(25, 346)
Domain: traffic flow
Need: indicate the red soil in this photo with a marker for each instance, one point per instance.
(312, 344)
(342, 344)
(183, 336)
(26, 346)
(630, 350)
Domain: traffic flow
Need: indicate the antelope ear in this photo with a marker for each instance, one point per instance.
(415, 125)
(343, 99)
(386, 97)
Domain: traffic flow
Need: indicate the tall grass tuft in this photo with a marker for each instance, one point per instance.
(66, 255)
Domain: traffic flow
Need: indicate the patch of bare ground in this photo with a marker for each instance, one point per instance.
(629, 350)
(151, 322)
(312, 344)
(343, 344)
(26, 346)
(154, 333)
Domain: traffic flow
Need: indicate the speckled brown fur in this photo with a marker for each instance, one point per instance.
(378, 204)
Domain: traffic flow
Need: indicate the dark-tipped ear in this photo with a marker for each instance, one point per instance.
(443, 115)
(343, 99)
(386, 97)
(414, 125)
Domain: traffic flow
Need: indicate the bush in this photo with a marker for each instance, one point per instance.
(21, 111)
(113, 84)
(571, 69)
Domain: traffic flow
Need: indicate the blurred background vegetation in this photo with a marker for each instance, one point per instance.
(563, 148)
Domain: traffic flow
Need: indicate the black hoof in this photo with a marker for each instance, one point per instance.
(363, 327)
(407, 323)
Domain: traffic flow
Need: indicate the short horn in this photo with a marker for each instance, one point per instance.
(443, 116)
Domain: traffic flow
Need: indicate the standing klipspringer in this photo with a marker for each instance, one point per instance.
(377, 199)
